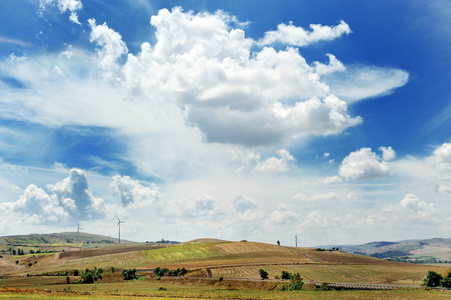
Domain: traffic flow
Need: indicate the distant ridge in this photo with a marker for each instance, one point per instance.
(435, 250)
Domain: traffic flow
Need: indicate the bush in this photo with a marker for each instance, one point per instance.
(89, 276)
(29, 265)
(76, 272)
(221, 279)
(159, 272)
(263, 274)
(296, 283)
(162, 289)
(67, 279)
(129, 274)
(113, 269)
(285, 275)
(325, 287)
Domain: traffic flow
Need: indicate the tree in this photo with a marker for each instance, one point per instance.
(285, 275)
(278, 243)
(446, 282)
(433, 279)
(263, 274)
(159, 272)
(129, 274)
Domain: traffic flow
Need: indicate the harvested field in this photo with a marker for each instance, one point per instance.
(106, 251)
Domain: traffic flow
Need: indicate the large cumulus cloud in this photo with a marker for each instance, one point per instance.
(69, 199)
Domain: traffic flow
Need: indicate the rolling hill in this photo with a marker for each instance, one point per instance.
(436, 250)
(217, 258)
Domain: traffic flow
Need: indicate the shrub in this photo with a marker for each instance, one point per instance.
(159, 272)
(89, 276)
(113, 269)
(296, 285)
(76, 272)
(221, 279)
(263, 274)
(29, 265)
(325, 287)
(162, 289)
(67, 279)
(285, 275)
(129, 274)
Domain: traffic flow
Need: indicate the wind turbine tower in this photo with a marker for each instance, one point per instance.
(78, 232)
(119, 225)
(296, 240)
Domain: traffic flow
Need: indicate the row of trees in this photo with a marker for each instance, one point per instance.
(20, 251)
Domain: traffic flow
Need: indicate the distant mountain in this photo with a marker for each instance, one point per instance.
(59, 239)
(436, 250)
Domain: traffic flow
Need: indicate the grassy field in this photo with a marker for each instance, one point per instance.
(141, 289)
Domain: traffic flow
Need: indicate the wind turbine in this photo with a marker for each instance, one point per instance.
(78, 232)
(296, 239)
(119, 225)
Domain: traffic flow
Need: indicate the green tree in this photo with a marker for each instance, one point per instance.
(433, 279)
(285, 275)
(446, 281)
(159, 272)
(263, 274)
(129, 274)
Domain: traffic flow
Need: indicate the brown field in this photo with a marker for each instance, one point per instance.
(207, 260)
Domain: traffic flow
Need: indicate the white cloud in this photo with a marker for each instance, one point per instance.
(444, 189)
(443, 154)
(111, 47)
(315, 197)
(410, 212)
(387, 153)
(76, 196)
(70, 199)
(332, 179)
(242, 203)
(131, 193)
(273, 164)
(281, 216)
(71, 6)
(298, 36)
(357, 82)
(362, 165)
(334, 66)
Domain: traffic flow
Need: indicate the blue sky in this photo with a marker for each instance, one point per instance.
(251, 120)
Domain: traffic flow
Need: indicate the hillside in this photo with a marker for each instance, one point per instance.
(224, 259)
(436, 250)
(56, 242)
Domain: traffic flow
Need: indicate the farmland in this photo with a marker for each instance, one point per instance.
(215, 268)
